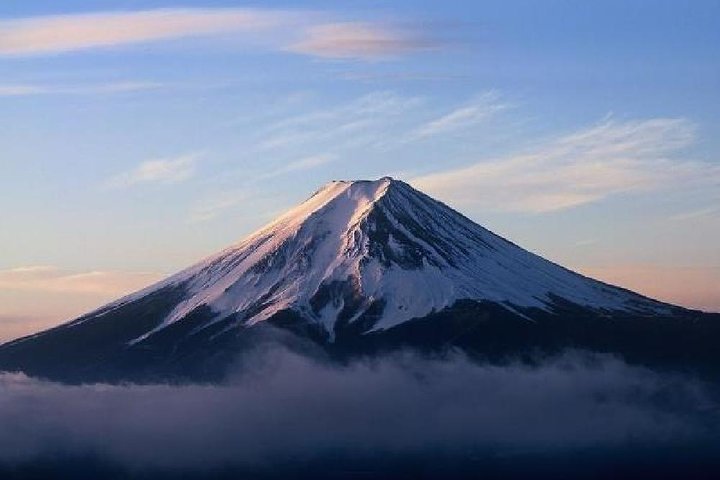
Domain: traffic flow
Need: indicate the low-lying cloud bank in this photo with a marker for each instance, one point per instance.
(287, 408)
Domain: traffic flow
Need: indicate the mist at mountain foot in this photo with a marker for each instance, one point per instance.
(571, 414)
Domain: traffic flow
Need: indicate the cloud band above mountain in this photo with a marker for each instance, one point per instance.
(588, 165)
(303, 32)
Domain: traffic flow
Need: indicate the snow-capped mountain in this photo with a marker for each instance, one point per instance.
(365, 257)
(382, 248)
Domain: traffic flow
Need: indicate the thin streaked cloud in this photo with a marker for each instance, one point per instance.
(583, 167)
(586, 242)
(221, 202)
(468, 115)
(14, 326)
(37, 297)
(217, 204)
(363, 121)
(296, 31)
(67, 33)
(701, 213)
(689, 286)
(157, 171)
(382, 77)
(23, 90)
(360, 40)
(52, 279)
(305, 163)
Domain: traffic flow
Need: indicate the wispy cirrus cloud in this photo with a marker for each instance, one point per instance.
(53, 279)
(162, 171)
(223, 201)
(14, 326)
(360, 40)
(361, 122)
(20, 90)
(690, 286)
(470, 114)
(36, 297)
(66, 33)
(702, 213)
(305, 163)
(591, 164)
(218, 203)
(303, 32)
(378, 120)
(23, 90)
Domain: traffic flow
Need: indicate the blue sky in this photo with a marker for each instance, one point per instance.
(137, 137)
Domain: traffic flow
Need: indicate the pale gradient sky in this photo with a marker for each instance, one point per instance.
(137, 137)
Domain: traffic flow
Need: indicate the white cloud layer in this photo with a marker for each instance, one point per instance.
(66, 33)
(692, 287)
(34, 298)
(472, 113)
(306, 163)
(223, 201)
(23, 90)
(359, 40)
(303, 32)
(218, 203)
(162, 170)
(610, 158)
(52, 279)
(362, 122)
(288, 407)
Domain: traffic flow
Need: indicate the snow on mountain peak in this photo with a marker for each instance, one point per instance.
(377, 254)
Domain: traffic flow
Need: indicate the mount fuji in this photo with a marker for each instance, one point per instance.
(359, 268)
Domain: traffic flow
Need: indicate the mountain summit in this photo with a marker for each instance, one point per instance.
(377, 254)
(357, 260)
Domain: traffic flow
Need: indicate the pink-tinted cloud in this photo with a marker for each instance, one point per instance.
(693, 287)
(65, 33)
(52, 279)
(470, 114)
(161, 170)
(33, 298)
(583, 167)
(24, 90)
(359, 40)
(303, 32)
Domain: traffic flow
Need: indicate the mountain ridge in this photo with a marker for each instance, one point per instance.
(342, 233)
(355, 265)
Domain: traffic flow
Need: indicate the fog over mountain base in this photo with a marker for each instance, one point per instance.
(287, 411)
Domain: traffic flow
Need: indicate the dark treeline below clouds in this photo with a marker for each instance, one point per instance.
(282, 410)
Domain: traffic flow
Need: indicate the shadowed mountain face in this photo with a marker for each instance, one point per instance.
(360, 268)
